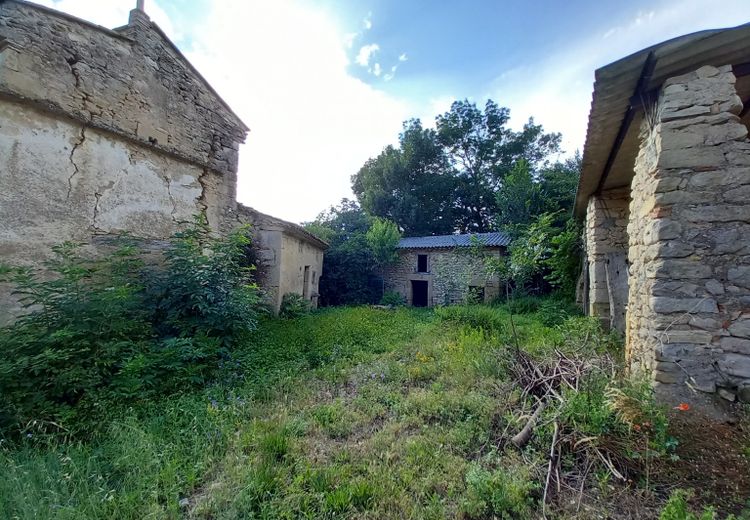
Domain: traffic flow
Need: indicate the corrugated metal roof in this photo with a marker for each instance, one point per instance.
(615, 84)
(486, 239)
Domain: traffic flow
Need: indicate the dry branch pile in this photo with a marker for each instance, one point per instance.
(548, 383)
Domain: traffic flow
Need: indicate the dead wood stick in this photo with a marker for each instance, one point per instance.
(521, 438)
(552, 449)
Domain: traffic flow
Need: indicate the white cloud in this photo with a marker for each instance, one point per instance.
(367, 22)
(403, 57)
(376, 69)
(557, 90)
(365, 53)
(349, 39)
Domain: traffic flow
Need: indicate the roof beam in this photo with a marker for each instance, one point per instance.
(742, 69)
(639, 99)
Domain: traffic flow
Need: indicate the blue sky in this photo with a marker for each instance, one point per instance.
(325, 84)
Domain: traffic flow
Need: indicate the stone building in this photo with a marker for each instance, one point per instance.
(441, 270)
(105, 131)
(290, 258)
(665, 194)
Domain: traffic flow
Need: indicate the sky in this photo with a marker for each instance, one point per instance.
(326, 84)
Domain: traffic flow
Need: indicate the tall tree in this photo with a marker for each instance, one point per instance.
(482, 150)
(445, 180)
(411, 185)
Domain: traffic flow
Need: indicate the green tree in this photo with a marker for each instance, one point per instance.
(411, 185)
(383, 237)
(482, 150)
(349, 262)
(445, 180)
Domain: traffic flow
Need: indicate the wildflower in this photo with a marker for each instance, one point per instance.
(682, 407)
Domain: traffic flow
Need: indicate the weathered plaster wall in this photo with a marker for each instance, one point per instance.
(103, 132)
(63, 182)
(607, 248)
(689, 303)
(295, 255)
(132, 82)
(283, 254)
(450, 275)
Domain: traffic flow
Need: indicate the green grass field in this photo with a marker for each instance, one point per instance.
(345, 413)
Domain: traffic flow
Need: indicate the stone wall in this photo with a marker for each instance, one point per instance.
(450, 274)
(606, 243)
(689, 302)
(104, 132)
(131, 81)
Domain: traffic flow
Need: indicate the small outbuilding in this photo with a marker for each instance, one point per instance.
(665, 195)
(289, 258)
(441, 270)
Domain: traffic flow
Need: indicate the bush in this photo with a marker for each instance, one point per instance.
(477, 316)
(393, 298)
(293, 305)
(524, 304)
(677, 508)
(555, 311)
(505, 492)
(108, 329)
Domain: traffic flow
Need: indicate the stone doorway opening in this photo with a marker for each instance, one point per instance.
(419, 291)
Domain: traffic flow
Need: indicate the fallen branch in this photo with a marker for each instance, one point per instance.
(521, 438)
(552, 449)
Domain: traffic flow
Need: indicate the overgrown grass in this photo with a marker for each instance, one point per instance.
(344, 413)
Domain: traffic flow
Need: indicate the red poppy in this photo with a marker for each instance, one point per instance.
(683, 407)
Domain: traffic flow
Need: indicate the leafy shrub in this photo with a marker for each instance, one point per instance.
(505, 492)
(677, 508)
(206, 287)
(393, 298)
(293, 305)
(105, 329)
(555, 311)
(524, 304)
(477, 316)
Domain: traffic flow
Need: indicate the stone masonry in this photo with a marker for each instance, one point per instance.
(688, 311)
(450, 274)
(607, 246)
(104, 131)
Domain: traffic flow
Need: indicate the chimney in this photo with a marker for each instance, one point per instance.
(138, 16)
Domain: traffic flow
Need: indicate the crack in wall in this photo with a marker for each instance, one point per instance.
(98, 196)
(168, 184)
(201, 200)
(77, 144)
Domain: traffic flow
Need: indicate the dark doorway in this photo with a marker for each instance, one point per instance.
(419, 293)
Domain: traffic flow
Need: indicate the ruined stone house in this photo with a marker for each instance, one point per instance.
(665, 194)
(447, 269)
(105, 131)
